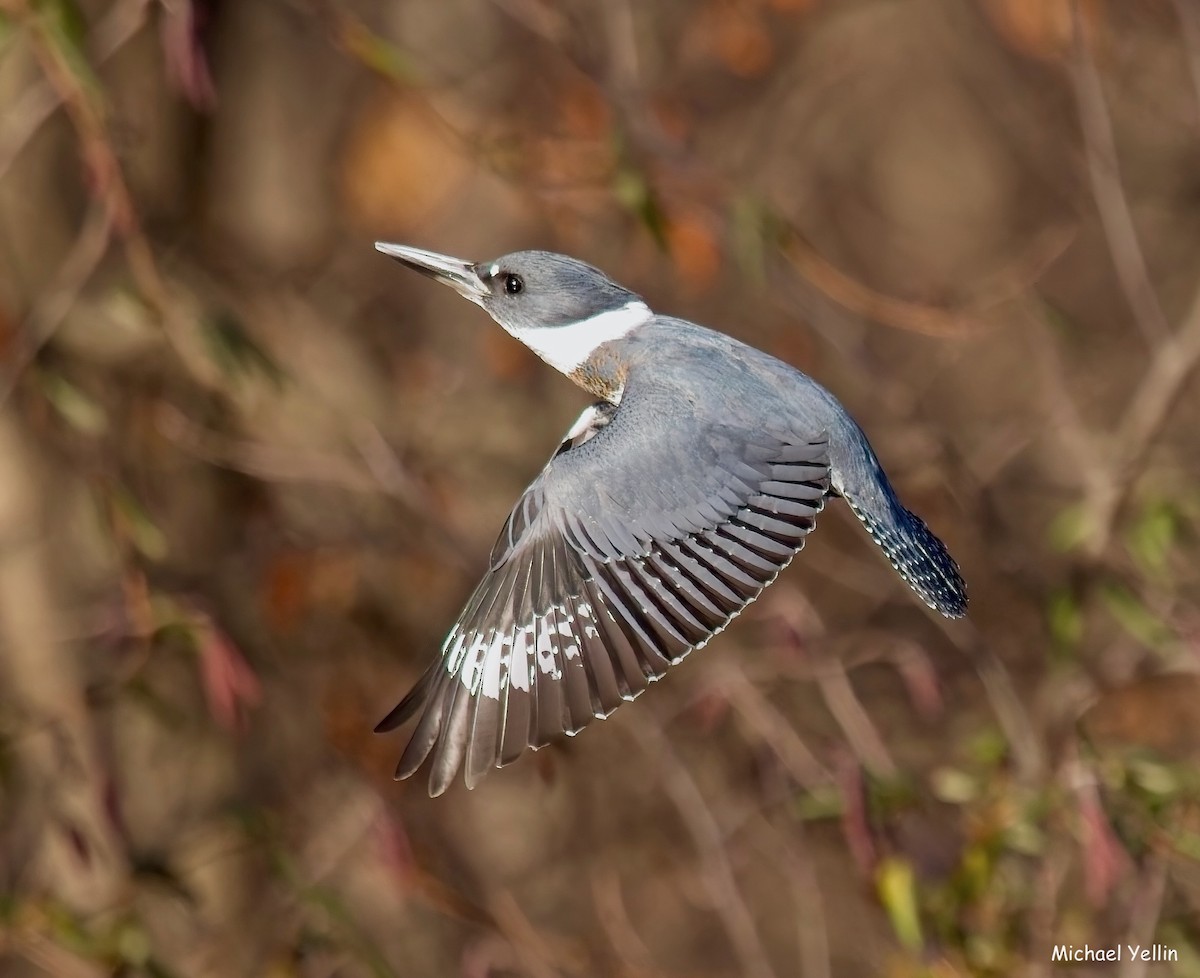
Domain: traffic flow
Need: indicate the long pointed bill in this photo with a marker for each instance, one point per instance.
(458, 274)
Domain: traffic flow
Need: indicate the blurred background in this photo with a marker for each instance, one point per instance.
(250, 469)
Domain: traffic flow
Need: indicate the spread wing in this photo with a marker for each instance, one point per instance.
(646, 533)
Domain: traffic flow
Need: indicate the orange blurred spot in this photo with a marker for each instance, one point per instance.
(584, 111)
(694, 250)
(333, 581)
(737, 36)
(400, 165)
(563, 163)
(285, 589)
(1039, 28)
(295, 582)
(349, 714)
(672, 118)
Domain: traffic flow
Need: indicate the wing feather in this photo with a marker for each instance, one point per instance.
(601, 579)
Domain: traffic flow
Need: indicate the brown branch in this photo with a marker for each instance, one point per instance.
(791, 855)
(540, 956)
(1105, 173)
(760, 716)
(381, 471)
(613, 918)
(1175, 361)
(88, 117)
(701, 824)
(271, 463)
(801, 619)
(1147, 909)
(37, 103)
(858, 298)
(1189, 20)
(848, 711)
(1007, 706)
(44, 953)
(83, 856)
(49, 312)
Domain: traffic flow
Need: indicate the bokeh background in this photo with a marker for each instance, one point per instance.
(249, 470)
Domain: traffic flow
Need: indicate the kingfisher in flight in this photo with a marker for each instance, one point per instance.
(673, 500)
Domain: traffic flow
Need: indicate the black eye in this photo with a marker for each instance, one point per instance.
(513, 284)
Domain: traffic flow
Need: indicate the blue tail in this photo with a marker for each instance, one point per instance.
(918, 556)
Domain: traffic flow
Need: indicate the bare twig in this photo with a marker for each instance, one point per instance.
(48, 314)
(1068, 423)
(848, 710)
(386, 468)
(762, 718)
(85, 860)
(1028, 757)
(381, 471)
(1105, 173)
(1175, 360)
(1189, 20)
(918, 317)
(37, 103)
(88, 116)
(614, 919)
(709, 841)
(1147, 908)
(789, 851)
(42, 952)
(802, 619)
(624, 63)
(271, 463)
(1047, 887)
(540, 955)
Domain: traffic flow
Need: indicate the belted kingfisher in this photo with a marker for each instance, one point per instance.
(671, 503)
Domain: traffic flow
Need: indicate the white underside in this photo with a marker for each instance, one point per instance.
(567, 348)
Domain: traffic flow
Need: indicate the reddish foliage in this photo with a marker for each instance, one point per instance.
(230, 685)
(1105, 860)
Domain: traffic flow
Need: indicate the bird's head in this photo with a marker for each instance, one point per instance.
(562, 309)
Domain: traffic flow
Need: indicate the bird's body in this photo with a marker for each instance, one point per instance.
(671, 503)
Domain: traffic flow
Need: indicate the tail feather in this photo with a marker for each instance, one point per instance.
(919, 557)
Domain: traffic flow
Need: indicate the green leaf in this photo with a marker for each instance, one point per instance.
(1134, 616)
(132, 943)
(1153, 777)
(74, 406)
(1025, 837)
(953, 786)
(143, 532)
(236, 352)
(633, 192)
(819, 804)
(748, 220)
(989, 747)
(1153, 535)
(63, 25)
(897, 887)
(1057, 319)
(1064, 617)
(378, 54)
(1070, 529)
